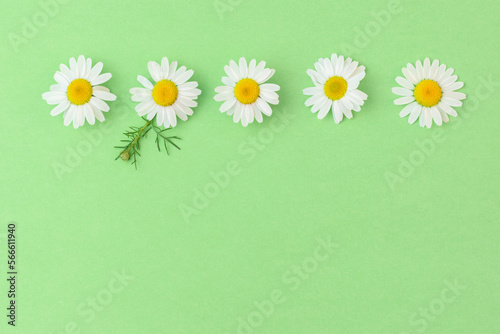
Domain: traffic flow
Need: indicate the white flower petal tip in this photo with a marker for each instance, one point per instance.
(246, 95)
(78, 94)
(336, 81)
(428, 93)
(169, 96)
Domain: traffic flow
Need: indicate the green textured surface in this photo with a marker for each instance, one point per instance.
(295, 179)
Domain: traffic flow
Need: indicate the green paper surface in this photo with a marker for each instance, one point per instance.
(295, 225)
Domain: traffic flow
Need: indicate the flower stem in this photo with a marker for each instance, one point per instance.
(125, 154)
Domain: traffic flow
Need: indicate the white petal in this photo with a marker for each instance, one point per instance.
(74, 67)
(265, 75)
(227, 105)
(347, 111)
(420, 70)
(164, 67)
(436, 116)
(257, 112)
(187, 102)
(313, 90)
(444, 115)
(179, 112)
(235, 70)
(155, 71)
(405, 83)
(171, 116)
(447, 109)
(348, 71)
(172, 70)
(68, 116)
(243, 68)
(434, 69)
(333, 59)
(422, 118)
(98, 114)
(101, 88)
(453, 86)
(60, 108)
(224, 96)
(264, 107)
(81, 66)
(237, 112)
(428, 118)
(188, 85)
(270, 87)
(99, 104)
(251, 68)
(160, 116)
(415, 113)
(427, 68)
(455, 95)
(228, 82)
(153, 112)
(184, 77)
(104, 95)
(101, 79)
(337, 113)
(94, 73)
(404, 100)
(316, 77)
(268, 95)
(323, 111)
(180, 71)
(230, 74)
(145, 82)
(89, 114)
(410, 73)
(67, 72)
(224, 89)
(145, 107)
(408, 109)
(188, 111)
(88, 68)
(249, 114)
(339, 67)
(402, 91)
(317, 106)
(451, 102)
(448, 81)
(61, 79)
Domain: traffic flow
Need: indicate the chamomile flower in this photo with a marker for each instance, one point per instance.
(171, 95)
(246, 96)
(336, 82)
(78, 94)
(429, 93)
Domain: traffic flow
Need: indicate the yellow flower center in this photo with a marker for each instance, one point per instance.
(165, 93)
(79, 91)
(335, 88)
(428, 93)
(247, 91)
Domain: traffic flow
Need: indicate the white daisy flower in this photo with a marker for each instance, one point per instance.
(171, 96)
(336, 84)
(246, 96)
(78, 93)
(429, 92)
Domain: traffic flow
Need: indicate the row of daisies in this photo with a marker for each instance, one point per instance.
(428, 91)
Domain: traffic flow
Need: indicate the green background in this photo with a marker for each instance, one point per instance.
(399, 242)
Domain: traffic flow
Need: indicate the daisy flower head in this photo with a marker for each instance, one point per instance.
(336, 82)
(171, 95)
(246, 94)
(78, 93)
(429, 93)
